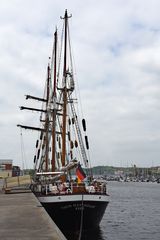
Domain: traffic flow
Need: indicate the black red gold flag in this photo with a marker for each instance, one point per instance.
(80, 173)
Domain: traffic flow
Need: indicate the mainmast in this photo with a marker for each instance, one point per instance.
(64, 89)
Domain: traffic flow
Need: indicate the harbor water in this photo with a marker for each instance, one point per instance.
(132, 214)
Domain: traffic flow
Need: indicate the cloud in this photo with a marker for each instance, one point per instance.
(116, 46)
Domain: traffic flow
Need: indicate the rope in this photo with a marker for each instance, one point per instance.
(60, 53)
(23, 156)
(77, 94)
(81, 222)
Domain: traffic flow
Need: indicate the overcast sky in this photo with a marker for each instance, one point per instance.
(116, 46)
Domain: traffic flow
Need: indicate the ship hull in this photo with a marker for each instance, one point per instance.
(69, 212)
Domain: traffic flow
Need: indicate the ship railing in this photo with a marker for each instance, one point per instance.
(66, 188)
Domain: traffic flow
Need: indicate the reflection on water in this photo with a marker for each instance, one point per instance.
(94, 234)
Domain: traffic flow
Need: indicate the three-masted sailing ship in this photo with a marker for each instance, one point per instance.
(68, 192)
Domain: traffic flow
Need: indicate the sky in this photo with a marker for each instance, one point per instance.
(116, 45)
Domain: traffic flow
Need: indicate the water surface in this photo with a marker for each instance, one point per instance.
(132, 214)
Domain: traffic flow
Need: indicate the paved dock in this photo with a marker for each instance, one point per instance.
(23, 218)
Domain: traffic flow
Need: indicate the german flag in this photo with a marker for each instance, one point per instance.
(80, 173)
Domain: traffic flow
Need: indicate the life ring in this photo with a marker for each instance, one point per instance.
(68, 191)
(91, 189)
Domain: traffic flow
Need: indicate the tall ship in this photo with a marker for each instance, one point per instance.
(63, 181)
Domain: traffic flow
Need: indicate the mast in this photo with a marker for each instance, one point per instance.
(47, 120)
(54, 103)
(64, 90)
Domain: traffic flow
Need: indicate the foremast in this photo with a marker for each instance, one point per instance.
(54, 104)
(47, 120)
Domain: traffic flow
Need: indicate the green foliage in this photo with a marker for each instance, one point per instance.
(29, 171)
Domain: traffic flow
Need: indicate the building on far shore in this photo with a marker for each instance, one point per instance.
(6, 168)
